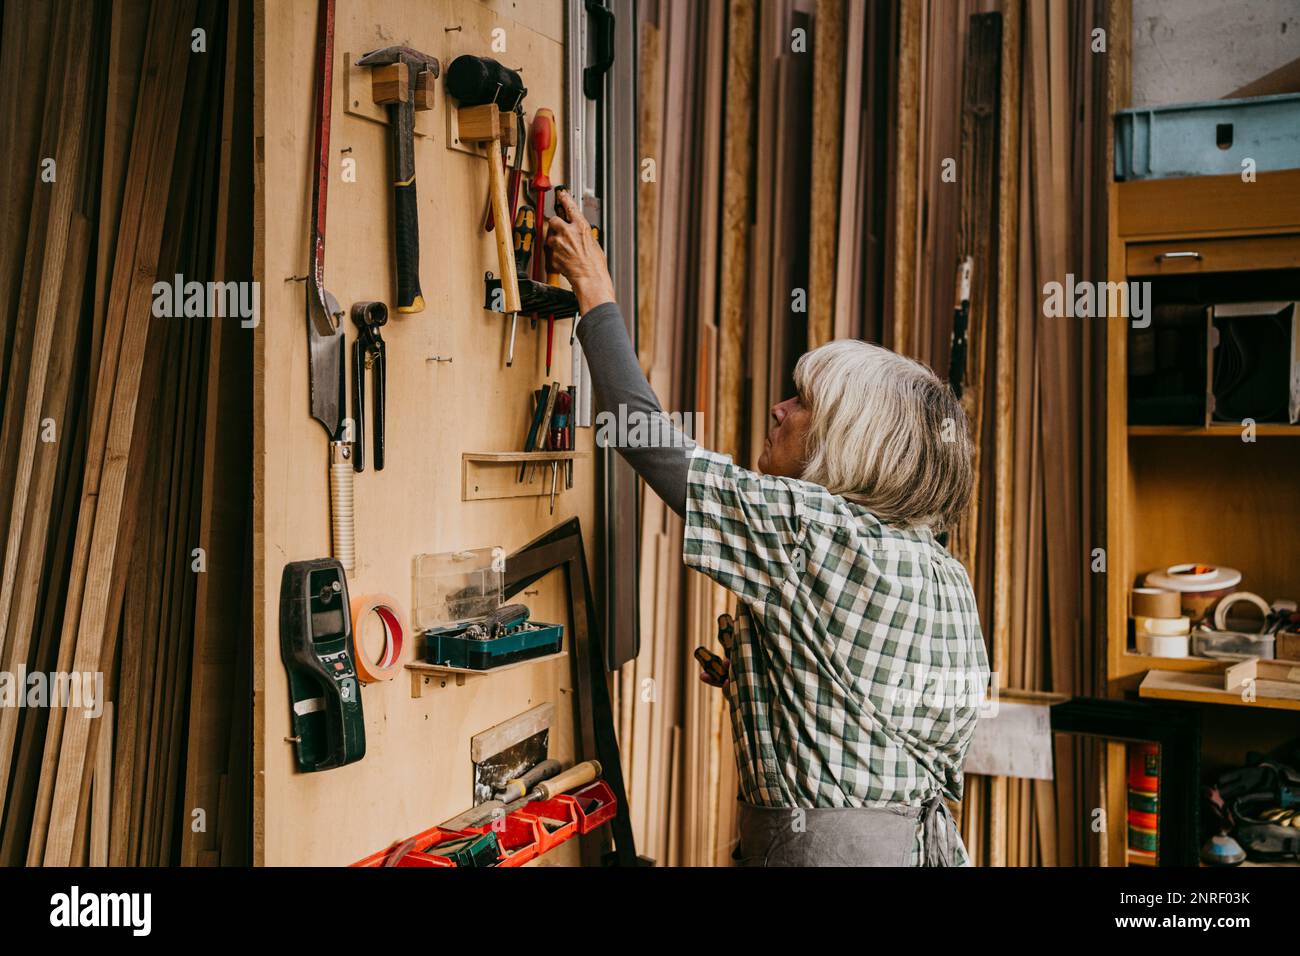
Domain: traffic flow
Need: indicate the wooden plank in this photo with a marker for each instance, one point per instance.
(828, 103)
(1208, 689)
(129, 20)
(770, 39)
(160, 92)
(1006, 298)
(900, 300)
(58, 239)
(509, 732)
(853, 163)
(979, 179)
(24, 565)
(650, 143)
(218, 534)
(24, 47)
(103, 790)
(737, 196)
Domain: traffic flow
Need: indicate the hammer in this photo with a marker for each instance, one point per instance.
(400, 100)
(484, 88)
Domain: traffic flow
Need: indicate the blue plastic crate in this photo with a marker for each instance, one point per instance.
(1208, 139)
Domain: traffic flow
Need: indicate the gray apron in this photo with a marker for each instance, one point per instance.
(846, 836)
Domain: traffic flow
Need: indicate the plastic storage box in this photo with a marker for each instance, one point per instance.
(448, 646)
(1208, 139)
(1232, 644)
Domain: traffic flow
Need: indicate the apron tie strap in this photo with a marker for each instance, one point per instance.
(937, 827)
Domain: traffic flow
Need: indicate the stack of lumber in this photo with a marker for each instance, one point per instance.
(115, 502)
(861, 167)
(744, 110)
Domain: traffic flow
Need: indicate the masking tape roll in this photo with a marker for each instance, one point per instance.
(1236, 597)
(1163, 626)
(1156, 602)
(389, 612)
(1162, 645)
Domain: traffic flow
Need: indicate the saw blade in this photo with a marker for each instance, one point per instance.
(326, 375)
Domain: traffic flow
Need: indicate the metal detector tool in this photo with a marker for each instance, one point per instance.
(316, 648)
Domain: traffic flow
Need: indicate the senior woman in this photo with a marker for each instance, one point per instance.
(857, 666)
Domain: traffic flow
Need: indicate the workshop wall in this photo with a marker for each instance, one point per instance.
(1182, 53)
(417, 769)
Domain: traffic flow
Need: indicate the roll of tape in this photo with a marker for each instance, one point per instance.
(1236, 597)
(1163, 626)
(389, 612)
(1156, 602)
(1162, 645)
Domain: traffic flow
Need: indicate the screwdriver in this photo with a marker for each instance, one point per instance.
(524, 231)
(541, 146)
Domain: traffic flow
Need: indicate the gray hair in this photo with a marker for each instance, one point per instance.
(886, 433)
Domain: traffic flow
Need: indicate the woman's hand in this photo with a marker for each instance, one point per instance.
(713, 682)
(576, 255)
(714, 670)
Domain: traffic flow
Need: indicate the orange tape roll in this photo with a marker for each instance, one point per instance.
(389, 612)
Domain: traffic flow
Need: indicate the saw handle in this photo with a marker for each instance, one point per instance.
(342, 526)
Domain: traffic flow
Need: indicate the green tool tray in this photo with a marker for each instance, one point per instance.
(447, 646)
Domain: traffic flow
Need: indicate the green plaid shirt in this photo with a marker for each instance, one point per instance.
(858, 672)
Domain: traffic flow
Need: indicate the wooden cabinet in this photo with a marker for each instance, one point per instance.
(1199, 492)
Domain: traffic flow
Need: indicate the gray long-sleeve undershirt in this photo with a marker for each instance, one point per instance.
(617, 379)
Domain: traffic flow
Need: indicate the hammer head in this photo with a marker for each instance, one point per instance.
(401, 54)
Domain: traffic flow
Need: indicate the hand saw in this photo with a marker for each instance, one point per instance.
(325, 331)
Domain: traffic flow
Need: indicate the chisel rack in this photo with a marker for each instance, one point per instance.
(494, 474)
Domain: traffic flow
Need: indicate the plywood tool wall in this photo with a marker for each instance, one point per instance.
(417, 768)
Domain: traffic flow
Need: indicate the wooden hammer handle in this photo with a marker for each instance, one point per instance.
(503, 235)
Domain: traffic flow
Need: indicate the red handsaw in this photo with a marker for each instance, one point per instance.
(325, 336)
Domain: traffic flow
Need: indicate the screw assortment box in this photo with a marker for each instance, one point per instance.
(450, 647)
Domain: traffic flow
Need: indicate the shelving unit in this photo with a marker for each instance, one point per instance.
(1197, 492)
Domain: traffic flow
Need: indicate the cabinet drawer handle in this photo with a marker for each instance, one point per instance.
(1177, 255)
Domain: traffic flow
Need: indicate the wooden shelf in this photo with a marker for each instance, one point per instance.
(521, 456)
(1269, 430)
(1208, 689)
(428, 675)
(488, 475)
